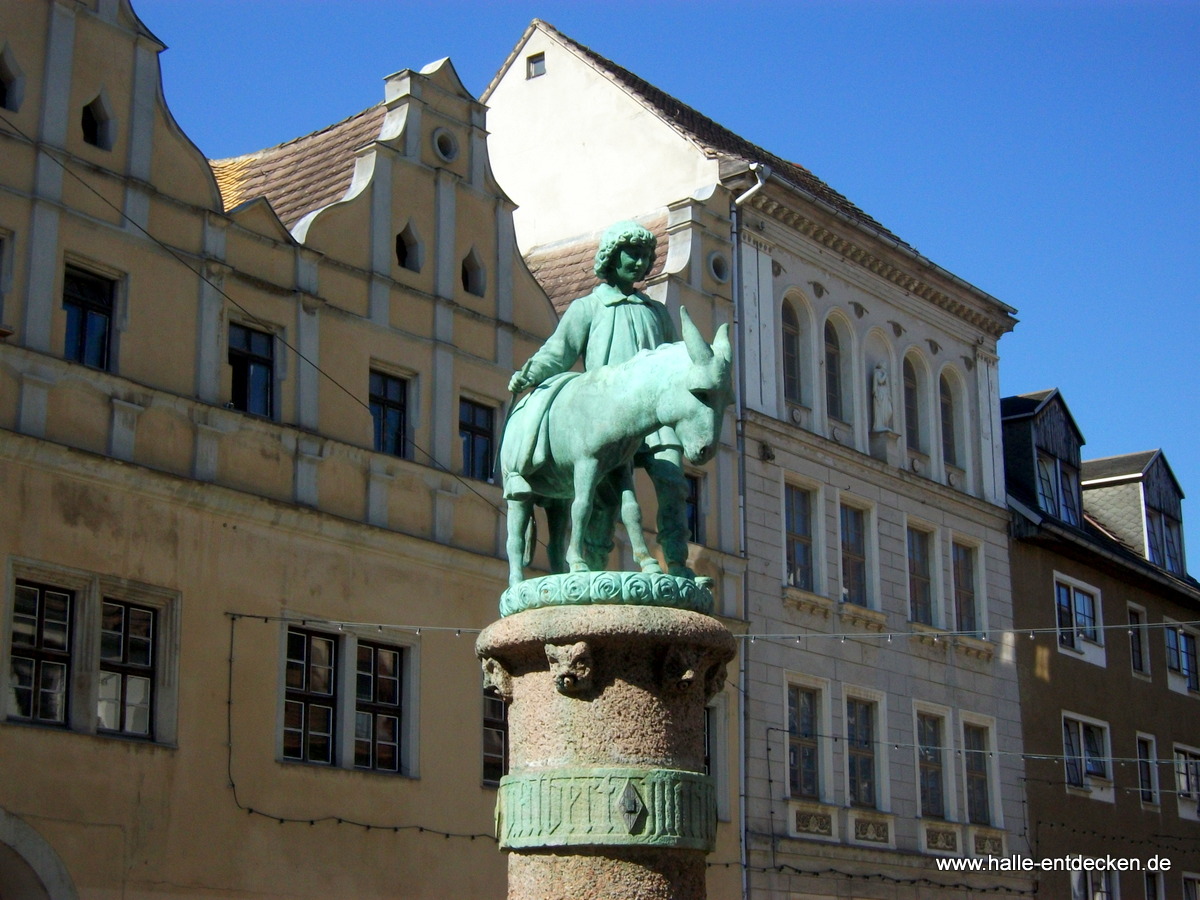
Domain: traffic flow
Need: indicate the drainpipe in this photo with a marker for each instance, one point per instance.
(761, 173)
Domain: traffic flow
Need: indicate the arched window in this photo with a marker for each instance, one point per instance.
(833, 373)
(791, 354)
(912, 407)
(949, 423)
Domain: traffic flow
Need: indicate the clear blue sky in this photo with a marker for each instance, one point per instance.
(1046, 152)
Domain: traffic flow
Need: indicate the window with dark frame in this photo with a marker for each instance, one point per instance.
(389, 413)
(252, 358)
(88, 301)
(1187, 773)
(377, 710)
(860, 752)
(854, 555)
(1076, 610)
(912, 407)
(929, 744)
(310, 700)
(966, 614)
(833, 373)
(495, 736)
(1137, 641)
(127, 669)
(40, 665)
(1083, 751)
(1145, 751)
(1181, 655)
(791, 354)
(975, 754)
(803, 761)
(799, 539)
(949, 435)
(920, 588)
(476, 430)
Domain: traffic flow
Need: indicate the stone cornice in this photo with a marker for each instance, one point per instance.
(994, 325)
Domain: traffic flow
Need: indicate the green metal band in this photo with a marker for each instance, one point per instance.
(630, 588)
(607, 806)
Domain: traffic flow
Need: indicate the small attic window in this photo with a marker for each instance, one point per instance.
(97, 124)
(535, 65)
(474, 278)
(408, 249)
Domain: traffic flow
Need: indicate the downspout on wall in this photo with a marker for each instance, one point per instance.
(761, 173)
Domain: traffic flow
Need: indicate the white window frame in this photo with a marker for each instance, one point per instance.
(995, 806)
(1186, 765)
(870, 551)
(1098, 787)
(90, 591)
(1155, 795)
(1178, 677)
(346, 639)
(1088, 649)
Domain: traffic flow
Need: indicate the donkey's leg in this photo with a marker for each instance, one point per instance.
(631, 518)
(581, 510)
(556, 541)
(519, 512)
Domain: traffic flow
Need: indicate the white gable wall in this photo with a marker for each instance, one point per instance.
(577, 153)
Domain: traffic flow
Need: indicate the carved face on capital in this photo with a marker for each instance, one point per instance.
(629, 265)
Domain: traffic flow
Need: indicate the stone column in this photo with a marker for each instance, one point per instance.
(607, 675)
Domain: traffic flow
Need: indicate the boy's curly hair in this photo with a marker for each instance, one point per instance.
(616, 236)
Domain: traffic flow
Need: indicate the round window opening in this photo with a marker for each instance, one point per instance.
(445, 145)
(718, 266)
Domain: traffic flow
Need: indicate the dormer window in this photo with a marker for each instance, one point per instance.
(1058, 488)
(1164, 543)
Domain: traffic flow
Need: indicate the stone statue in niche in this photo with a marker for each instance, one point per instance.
(571, 443)
(881, 400)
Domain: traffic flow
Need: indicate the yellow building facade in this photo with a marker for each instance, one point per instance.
(247, 418)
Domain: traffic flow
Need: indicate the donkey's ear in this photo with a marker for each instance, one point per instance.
(720, 344)
(697, 348)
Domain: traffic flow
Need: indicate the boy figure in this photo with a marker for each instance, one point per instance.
(610, 325)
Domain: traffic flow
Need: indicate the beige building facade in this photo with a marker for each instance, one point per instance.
(248, 415)
(881, 730)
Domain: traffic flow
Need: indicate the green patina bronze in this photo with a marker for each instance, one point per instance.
(607, 807)
(587, 588)
(570, 445)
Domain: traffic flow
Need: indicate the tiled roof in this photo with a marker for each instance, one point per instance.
(303, 174)
(1127, 464)
(717, 141)
(564, 268)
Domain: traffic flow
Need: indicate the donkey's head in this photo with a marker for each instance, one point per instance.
(696, 408)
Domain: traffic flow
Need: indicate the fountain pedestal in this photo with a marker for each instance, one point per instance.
(607, 675)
